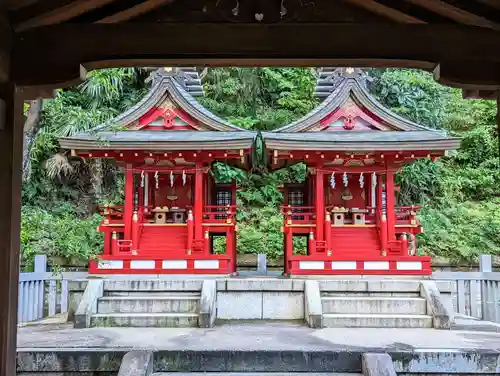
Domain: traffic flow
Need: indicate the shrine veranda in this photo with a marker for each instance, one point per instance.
(346, 208)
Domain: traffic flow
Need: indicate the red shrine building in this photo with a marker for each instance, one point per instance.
(173, 207)
(346, 207)
(352, 146)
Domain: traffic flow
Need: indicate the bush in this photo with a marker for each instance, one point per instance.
(59, 234)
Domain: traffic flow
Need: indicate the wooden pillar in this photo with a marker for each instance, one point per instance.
(320, 204)
(129, 201)
(198, 202)
(391, 200)
(11, 147)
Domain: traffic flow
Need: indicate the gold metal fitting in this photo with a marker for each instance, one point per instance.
(383, 253)
(329, 253)
(188, 252)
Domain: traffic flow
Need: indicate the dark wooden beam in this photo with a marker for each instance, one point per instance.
(479, 94)
(492, 3)
(454, 13)
(385, 11)
(58, 57)
(18, 4)
(5, 48)
(61, 14)
(134, 11)
(11, 146)
(469, 74)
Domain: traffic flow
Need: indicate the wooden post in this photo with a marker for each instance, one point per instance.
(404, 245)
(383, 234)
(379, 198)
(198, 202)
(320, 204)
(328, 234)
(11, 148)
(391, 199)
(129, 201)
(114, 243)
(107, 242)
(135, 231)
(190, 231)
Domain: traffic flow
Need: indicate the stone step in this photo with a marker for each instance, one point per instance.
(151, 294)
(156, 285)
(368, 294)
(145, 320)
(254, 374)
(148, 304)
(351, 320)
(373, 304)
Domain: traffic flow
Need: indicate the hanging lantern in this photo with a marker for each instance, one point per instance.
(142, 179)
(183, 177)
(361, 180)
(332, 180)
(171, 178)
(374, 180)
(345, 179)
(156, 180)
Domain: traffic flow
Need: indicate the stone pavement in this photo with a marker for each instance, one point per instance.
(256, 336)
(257, 347)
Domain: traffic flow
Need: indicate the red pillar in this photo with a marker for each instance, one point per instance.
(391, 199)
(129, 201)
(198, 202)
(379, 197)
(320, 204)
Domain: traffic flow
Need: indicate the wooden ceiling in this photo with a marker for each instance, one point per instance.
(457, 39)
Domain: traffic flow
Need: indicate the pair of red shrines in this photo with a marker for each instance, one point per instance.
(174, 210)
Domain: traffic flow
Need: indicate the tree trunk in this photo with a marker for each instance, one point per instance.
(31, 128)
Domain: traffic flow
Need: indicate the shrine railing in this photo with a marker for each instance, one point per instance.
(298, 214)
(220, 214)
(406, 214)
(112, 213)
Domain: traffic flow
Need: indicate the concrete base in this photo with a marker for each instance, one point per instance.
(257, 348)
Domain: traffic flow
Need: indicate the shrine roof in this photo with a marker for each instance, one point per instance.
(352, 141)
(172, 90)
(160, 140)
(339, 85)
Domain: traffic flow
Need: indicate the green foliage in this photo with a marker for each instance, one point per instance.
(59, 232)
(461, 231)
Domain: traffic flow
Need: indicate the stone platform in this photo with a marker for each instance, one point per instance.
(257, 347)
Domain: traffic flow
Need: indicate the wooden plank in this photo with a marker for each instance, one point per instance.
(41, 298)
(134, 11)
(461, 293)
(18, 4)
(20, 303)
(492, 3)
(454, 13)
(52, 297)
(385, 11)
(133, 44)
(26, 302)
(61, 14)
(11, 144)
(475, 298)
(64, 296)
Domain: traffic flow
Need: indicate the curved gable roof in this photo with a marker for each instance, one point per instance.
(172, 84)
(348, 84)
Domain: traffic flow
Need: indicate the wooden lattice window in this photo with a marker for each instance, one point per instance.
(223, 197)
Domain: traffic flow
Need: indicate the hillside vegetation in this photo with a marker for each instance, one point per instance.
(461, 192)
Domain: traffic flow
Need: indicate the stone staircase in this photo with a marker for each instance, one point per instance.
(155, 303)
(391, 304)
